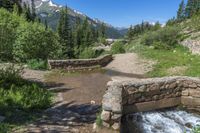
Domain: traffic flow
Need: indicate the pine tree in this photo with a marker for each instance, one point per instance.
(33, 11)
(103, 31)
(27, 12)
(46, 24)
(16, 9)
(130, 33)
(181, 11)
(64, 33)
(192, 7)
(9, 4)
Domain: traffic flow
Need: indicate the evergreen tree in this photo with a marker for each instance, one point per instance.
(181, 11)
(16, 9)
(64, 32)
(103, 31)
(9, 4)
(27, 12)
(78, 33)
(192, 7)
(33, 11)
(46, 24)
(130, 33)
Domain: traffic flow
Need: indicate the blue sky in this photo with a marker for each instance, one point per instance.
(123, 13)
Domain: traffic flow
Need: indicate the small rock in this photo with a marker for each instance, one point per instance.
(105, 115)
(106, 124)
(95, 126)
(116, 126)
(92, 102)
(189, 125)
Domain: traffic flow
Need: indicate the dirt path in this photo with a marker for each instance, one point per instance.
(79, 96)
(128, 66)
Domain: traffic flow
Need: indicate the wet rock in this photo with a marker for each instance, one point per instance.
(189, 125)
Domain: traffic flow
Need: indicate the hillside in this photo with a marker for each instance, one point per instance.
(47, 10)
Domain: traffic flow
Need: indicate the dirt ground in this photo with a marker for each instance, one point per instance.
(79, 96)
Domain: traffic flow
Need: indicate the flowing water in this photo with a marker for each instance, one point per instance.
(169, 121)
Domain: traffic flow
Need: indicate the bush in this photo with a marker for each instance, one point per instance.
(117, 48)
(87, 53)
(37, 64)
(10, 75)
(167, 37)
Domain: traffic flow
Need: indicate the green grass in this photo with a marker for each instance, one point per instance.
(21, 101)
(166, 59)
(37, 64)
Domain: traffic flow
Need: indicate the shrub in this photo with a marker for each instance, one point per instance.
(10, 75)
(87, 53)
(117, 48)
(168, 36)
(37, 64)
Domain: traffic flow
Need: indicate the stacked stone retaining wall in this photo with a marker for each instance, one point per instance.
(128, 97)
(77, 64)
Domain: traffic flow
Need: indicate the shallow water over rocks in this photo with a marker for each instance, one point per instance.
(168, 121)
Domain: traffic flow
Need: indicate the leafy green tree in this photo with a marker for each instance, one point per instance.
(35, 42)
(181, 11)
(8, 26)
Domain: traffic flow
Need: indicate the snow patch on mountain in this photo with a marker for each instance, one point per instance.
(80, 13)
(52, 4)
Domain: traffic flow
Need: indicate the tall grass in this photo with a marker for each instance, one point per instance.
(20, 100)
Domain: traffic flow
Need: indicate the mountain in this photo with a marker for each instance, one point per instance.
(49, 11)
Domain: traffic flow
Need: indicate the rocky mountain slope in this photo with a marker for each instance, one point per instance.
(48, 10)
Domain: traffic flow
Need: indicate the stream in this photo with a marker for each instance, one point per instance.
(168, 121)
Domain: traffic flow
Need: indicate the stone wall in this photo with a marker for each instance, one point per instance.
(128, 97)
(77, 64)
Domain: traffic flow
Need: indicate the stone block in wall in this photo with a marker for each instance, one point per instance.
(185, 93)
(152, 105)
(190, 101)
(106, 115)
(194, 93)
